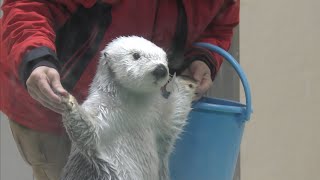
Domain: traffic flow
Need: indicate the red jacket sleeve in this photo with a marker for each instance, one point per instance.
(28, 25)
(219, 32)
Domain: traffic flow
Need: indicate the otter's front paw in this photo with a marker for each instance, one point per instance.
(188, 86)
(69, 102)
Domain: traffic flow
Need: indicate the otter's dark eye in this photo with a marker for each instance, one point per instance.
(190, 86)
(136, 56)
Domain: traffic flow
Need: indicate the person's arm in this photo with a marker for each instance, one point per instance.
(28, 36)
(205, 64)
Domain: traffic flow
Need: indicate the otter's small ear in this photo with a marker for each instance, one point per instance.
(105, 58)
(105, 55)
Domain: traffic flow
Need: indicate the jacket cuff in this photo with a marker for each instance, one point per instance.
(41, 56)
(204, 55)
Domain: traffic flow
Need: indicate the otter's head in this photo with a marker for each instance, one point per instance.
(136, 63)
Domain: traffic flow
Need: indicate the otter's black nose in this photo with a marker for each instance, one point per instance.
(160, 71)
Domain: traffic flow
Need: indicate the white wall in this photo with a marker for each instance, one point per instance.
(279, 50)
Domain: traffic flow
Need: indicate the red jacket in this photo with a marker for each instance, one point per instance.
(69, 35)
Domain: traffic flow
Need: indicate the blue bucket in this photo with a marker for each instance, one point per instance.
(208, 148)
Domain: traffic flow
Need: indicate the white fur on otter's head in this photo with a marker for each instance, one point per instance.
(135, 63)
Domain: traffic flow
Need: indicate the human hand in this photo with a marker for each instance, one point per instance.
(44, 86)
(200, 72)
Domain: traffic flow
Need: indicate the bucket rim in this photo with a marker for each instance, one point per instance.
(220, 105)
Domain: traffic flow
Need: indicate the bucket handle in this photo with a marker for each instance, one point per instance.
(239, 71)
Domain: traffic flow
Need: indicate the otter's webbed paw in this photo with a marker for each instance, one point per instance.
(189, 85)
(69, 102)
(185, 86)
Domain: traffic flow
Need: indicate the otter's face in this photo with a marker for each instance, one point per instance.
(137, 64)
